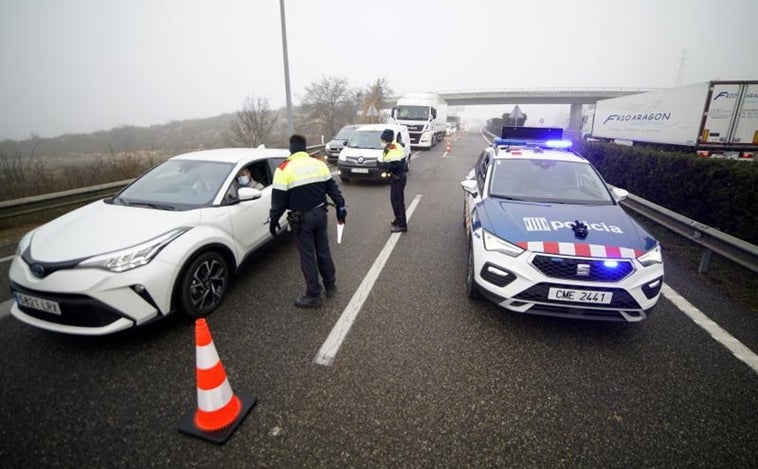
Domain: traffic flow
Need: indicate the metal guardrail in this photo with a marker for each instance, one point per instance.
(38, 203)
(710, 239)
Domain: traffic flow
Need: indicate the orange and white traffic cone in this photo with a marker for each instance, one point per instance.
(447, 147)
(219, 411)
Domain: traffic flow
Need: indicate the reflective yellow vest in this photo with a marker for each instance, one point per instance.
(394, 153)
(300, 169)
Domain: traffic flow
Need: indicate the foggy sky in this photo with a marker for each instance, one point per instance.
(72, 66)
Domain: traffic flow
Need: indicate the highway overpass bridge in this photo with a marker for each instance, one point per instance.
(574, 97)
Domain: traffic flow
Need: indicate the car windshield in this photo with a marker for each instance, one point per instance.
(344, 133)
(413, 112)
(177, 185)
(366, 139)
(540, 180)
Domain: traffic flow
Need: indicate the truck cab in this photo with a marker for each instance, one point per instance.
(425, 115)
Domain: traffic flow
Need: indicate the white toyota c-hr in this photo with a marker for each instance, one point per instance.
(169, 241)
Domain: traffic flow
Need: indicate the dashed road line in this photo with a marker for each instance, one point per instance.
(331, 345)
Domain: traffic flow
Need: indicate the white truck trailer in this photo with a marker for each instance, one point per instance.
(425, 115)
(713, 118)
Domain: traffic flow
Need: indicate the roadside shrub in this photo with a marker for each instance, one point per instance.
(721, 193)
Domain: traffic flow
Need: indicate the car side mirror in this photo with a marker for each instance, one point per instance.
(469, 186)
(344, 143)
(248, 193)
(619, 194)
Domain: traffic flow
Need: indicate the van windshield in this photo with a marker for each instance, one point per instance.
(366, 139)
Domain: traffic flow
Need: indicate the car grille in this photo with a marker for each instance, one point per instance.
(607, 314)
(538, 293)
(415, 127)
(76, 310)
(591, 270)
(368, 162)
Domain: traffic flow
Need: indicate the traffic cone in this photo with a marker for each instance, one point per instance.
(447, 147)
(219, 411)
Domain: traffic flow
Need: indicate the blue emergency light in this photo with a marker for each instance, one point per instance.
(543, 137)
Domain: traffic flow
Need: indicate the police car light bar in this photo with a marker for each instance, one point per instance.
(510, 142)
(542, 137)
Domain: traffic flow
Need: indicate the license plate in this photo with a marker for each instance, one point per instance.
(360, 170)
(580, 296)
(38, 303)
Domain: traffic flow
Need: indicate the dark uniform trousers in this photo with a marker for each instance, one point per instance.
(397, 199)
(311, 238)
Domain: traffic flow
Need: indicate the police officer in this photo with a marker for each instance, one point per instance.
(393, 162)
(300, 185)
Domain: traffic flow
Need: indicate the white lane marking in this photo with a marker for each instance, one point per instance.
(331, 345)
(719, 335)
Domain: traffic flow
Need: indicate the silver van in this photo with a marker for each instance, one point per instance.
(335, 145)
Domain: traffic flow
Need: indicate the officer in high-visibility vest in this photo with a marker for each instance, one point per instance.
(301, 184)
(393, 161)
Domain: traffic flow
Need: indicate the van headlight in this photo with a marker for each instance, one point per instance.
(651, 257)
(135, 256)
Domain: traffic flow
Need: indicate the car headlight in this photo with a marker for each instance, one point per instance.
(24, 243)
(651, 257)
(135, 256)
(327, 147)
(493, 243)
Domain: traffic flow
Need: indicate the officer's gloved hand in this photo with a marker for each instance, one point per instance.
(273, 227)
(341, 214)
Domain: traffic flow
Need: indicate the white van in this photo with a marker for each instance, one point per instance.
(359, 158)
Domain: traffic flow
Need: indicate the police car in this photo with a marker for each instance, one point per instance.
(547, 235)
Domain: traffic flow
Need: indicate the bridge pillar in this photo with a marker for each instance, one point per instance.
(574, 130)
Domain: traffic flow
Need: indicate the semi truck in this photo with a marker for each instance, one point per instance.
(714, 118)
(425, 115)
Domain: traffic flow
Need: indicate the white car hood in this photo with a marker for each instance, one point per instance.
(99, 228)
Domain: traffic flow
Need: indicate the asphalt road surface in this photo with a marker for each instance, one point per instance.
(422, 376)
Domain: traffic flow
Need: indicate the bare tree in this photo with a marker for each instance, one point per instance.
(376, 95)
(254, 123)
(329, 103)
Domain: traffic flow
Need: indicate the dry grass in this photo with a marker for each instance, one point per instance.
(22, 176)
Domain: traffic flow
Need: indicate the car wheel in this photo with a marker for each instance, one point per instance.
(472, 289)
(203, 284)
